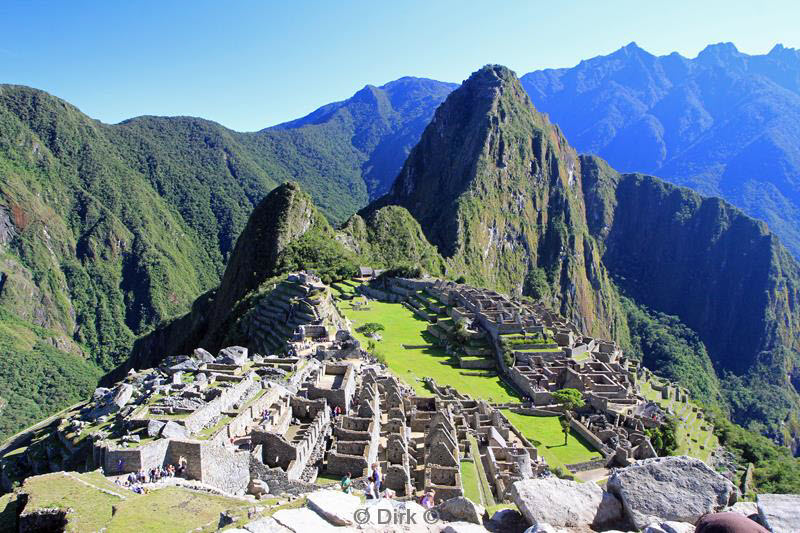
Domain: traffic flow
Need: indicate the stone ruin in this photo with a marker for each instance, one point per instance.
(239, 415)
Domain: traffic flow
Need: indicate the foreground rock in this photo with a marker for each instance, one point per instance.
(302, 520)
(780, 513)
(334, 506)
(679, 489)
(563, 503)
(460, 509)
(266, 525)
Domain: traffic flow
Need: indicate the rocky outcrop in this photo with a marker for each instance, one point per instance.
(564, 503)
(460, 509)
(680, 489)
(335, 506)
(780, 512)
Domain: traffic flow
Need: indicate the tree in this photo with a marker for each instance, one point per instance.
(370, 328)
(564, 427)
(570, 399)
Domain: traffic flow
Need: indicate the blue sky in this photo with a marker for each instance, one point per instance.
(252, 64)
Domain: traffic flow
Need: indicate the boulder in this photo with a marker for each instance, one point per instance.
(508, 520)
(266, 525)
(257, 487)
(460, 509)
(669, 527)
(233, 355)
(202, 356)
(679, 489)
(334, 506)
(123, 395)
(744, 508)
(173, 430)
(564, 503)
(100, 393)
(190, 365)
(780, 513)
(302, 520)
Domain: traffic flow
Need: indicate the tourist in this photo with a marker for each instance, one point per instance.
(181, 465)
(369, 491)
(347, 484)
(389, 494)
(171, 470)
(427, 500)
(337, 411)
(376, 477)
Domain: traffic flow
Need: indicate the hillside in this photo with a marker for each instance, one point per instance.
(285, 233)
(724, 123)
(504, 197)
(109, 230)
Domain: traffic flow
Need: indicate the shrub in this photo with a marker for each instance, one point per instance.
(370, 328)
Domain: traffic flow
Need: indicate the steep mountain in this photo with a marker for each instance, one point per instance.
(503, 196)
(724, 123)
(285, 233)
(497, 189)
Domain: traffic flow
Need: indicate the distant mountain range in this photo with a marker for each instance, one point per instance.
(724, 123)
(108, 231)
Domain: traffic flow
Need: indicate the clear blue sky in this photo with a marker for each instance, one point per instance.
(252, 64)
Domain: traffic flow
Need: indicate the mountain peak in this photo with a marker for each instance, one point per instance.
(718, 52)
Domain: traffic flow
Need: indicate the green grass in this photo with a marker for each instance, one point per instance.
(470, 483)
(171, 509)
(402, 327)
(486, 490)
(547, 431)
(326, 479)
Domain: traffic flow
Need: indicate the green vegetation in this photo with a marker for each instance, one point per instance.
(370, 328)
(92, 497)
(545, 433)
(411, 355)
(36, 379)
(570, 399)
(470, 482)
(776, 471)
(665, 437)
(483, 482)
(665, 345)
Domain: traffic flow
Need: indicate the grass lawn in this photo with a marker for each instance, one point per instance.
(547, 431)
(324, 478)
(164, 510)
(469, 481)
(403, 328)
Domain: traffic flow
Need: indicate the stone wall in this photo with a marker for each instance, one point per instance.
(227, 470)
(192, 451)
(230, 395)
(134, 459)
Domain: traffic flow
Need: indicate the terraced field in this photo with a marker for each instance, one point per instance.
(693, 440)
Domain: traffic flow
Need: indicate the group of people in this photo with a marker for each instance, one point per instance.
(375, 490)
(134, 480)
